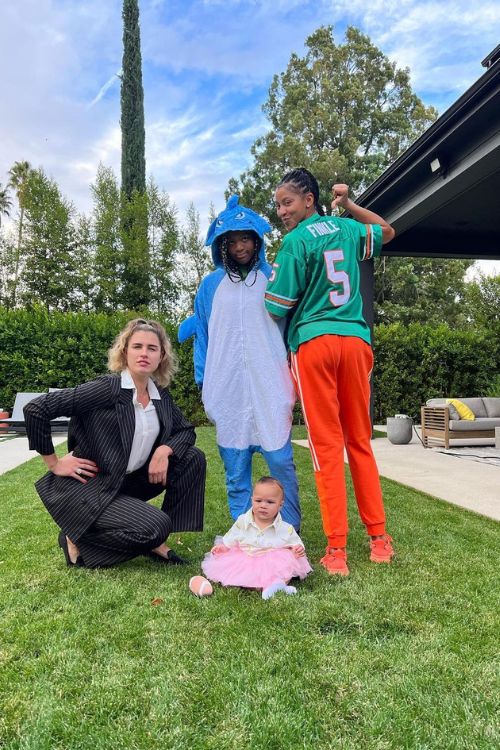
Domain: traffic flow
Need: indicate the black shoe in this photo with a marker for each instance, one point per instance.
(63, 543)
(170, 559)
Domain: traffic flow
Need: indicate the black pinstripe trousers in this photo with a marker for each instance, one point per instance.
(129, 526)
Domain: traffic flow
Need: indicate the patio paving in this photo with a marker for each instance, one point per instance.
(14, 450)
(466, 483)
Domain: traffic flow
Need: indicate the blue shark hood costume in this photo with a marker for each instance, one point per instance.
(236, 218)
(240, 362)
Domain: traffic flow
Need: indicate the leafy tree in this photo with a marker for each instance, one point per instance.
(420, 290)
(163, 242)
(343, 110)
(83, 263)
(108, 256)
(5, 202)
(136, 260)
(482, 300)
(8, 252)
(346, 112)
(195, 258)
(48, 245)
(212, 213)
(136, 271)
(132, 104)
(18, 180)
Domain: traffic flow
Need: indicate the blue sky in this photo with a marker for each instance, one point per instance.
(207, 68)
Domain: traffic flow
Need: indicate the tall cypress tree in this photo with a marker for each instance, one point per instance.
(136, 256)
(132, 104)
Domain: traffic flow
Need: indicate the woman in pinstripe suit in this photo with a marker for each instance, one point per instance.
(128, 442)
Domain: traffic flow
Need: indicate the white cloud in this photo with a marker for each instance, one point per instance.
(442, 43)
(207, 68)
(187, 160)
(483, 267)
(247, 40)
(251, 132)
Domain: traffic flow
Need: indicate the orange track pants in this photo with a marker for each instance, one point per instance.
(332, 377)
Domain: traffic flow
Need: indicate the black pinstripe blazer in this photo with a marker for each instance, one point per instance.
(101, 429)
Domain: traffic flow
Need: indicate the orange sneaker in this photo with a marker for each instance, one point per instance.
(381, 550)
(335, 561)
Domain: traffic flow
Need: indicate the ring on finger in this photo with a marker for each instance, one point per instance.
(78, 471)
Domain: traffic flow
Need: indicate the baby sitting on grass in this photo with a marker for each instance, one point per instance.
(260, 551)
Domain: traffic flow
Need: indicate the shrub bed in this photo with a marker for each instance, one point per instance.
(39, 350)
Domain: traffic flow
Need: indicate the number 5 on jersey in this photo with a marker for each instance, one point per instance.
(338, 297)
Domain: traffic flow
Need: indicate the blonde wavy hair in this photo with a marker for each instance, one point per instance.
(117, 355)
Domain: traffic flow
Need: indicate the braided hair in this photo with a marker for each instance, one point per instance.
(232, 268)
(304, 182)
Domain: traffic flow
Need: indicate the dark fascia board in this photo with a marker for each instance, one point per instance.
(492, 58)
(440, 244)
(460, 111)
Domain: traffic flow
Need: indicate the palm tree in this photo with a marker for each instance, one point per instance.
(18, 180)
(5, 202)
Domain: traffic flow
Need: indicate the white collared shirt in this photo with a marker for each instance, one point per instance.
(147, 424)
(253, 540)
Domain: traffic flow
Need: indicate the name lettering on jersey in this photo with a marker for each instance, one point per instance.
(322, 228)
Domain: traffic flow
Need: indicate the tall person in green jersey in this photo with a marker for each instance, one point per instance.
(316, 283)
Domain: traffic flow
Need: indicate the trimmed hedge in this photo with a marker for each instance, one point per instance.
(417, 362)
(412, 363)
(39, 350)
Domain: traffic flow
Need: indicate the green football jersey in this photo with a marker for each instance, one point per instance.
(316, 275)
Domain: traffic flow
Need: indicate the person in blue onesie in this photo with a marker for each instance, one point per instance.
(240, 360)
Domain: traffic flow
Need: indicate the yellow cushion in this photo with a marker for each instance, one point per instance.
(463, 410)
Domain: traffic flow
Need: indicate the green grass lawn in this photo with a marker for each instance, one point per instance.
(399, 656)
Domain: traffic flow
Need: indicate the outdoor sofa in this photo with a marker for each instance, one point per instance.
(441, 422)
(16, 422)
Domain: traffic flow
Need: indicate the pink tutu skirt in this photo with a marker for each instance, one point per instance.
(238, 568)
